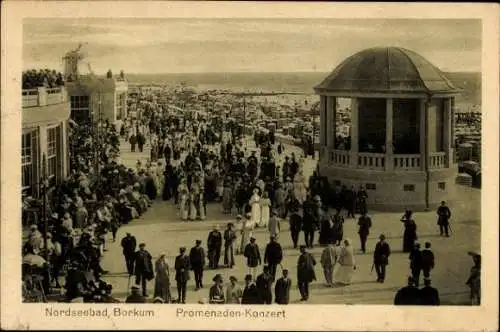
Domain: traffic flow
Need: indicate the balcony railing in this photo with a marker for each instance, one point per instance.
(371, 160)
(43, 96)
(379, 161)
(437, 160)
(339, 158)
(407, 162)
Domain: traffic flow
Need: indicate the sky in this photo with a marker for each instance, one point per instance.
(243, 45)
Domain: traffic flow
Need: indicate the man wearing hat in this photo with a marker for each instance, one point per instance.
(444, 215)
(305, 272)
(264, 286)
(214, 244)
(182, 265)
(135, 297)
(364, 223)
(428, 294)
(229, 238)
(143, 268)
(381, 257)
(282, 289)
(252, 254)
(129, 244)
(416, 263)
(216, 294)
(273, 256)
(197, 260)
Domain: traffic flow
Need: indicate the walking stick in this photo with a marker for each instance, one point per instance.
(371, 270)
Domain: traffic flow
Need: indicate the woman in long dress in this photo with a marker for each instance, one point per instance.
(246, 232)
(299, 186)
(265, 204)
(233, 292)
(410, 232)
(162, 279)
(255, 207)
(192, 206)
(227, 197)
(184, 203)
(347, 264)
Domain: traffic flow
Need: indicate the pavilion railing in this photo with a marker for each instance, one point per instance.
(437, 160)
(371, 160)
(339, 158)
(407, 162)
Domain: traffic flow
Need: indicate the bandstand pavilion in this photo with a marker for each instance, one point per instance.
(400, 146)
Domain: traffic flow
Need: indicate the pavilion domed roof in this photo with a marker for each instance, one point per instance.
(386, 70)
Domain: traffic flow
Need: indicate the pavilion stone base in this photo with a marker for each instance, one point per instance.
(389, 194)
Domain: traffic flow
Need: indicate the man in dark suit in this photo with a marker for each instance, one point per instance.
(143, 268)
(427, 260)
(381, 257)
(252, 254)
(282, 289)
(444, 215)
(129, 244)
(135, 297)
(273, 256)
(182, 266)
(197, 260)
(416, 263)
(305, 272)
(428, 294)
(364, 223)
(250, 292)
(214, 244)
(264, 283)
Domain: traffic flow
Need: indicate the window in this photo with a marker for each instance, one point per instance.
(27, 161)
(52, 151)
(371, 186)
(441, 185)
(337, 182)
(80, 109)
(409, 187)
(29, 156)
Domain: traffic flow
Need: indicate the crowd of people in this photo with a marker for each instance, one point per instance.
(47, 78)
(194, 161)
(97, 198)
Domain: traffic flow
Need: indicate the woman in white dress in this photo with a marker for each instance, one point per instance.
(347, 264)
(265, 204)
(247, 227)
(299, 186)
(184, 202)
(233, 292)
(255, 204)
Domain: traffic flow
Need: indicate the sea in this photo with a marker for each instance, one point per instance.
(296, 82)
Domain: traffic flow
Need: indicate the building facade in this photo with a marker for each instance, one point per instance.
(45, 114)
(400, 145)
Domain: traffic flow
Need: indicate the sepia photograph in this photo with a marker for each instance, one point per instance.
(249, 162)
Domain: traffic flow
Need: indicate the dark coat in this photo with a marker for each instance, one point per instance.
(381, 253)
(250, 294)
(408, 295)
(197, 257)
(144, 264)
(216, 295)
(415, 259)
(429, 296)
(444, 215)
(295, 222)
(427, 259)
(214, 241)
(252, 254)
(282, 291)
(305, 268)
(264, 283)
(229, 237)
(129, 244)
(182, 266)
(364, 223)
(273, 253)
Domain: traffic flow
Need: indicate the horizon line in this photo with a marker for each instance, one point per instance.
(269, 72)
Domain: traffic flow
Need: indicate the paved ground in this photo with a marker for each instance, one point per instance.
(163, 232)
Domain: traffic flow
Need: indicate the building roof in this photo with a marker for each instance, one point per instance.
(86, 84)
(386, 70)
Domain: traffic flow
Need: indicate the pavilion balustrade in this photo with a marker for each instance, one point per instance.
(378, 161)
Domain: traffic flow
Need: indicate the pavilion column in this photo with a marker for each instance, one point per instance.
(322, 126)
(389, 163)
(423, 134)
(330, 122)
(354, 133)
(447, 136)
(452, 126)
